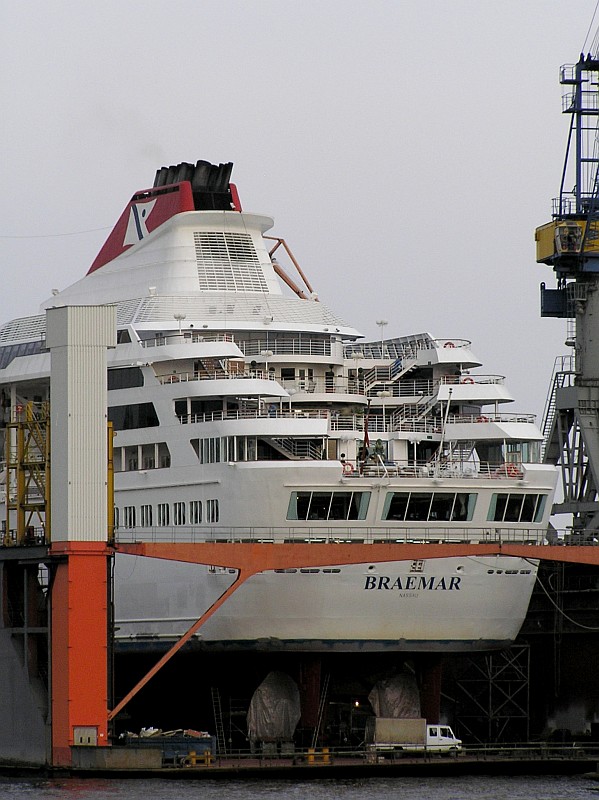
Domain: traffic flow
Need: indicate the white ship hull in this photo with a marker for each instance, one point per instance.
(453, 604)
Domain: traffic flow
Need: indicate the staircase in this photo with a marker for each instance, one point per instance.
(413, 412)
(563, 376)
(299, 448)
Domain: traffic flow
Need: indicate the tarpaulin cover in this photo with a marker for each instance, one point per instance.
(397, 697)
(274, 709)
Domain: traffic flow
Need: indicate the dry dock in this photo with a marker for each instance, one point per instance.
(130, 762)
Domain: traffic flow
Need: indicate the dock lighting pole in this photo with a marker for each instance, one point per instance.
(266, 354)
(179, 317)
(381, 323)
(384, 393)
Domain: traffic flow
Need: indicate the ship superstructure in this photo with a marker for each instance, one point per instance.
(245, 409)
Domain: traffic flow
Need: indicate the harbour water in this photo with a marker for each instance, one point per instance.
(479, 787)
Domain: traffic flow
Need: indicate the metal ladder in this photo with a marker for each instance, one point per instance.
(218, 720)
(321, 708)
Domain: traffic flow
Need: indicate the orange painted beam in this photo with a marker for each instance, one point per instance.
(259, 557)
(241, 578)
(79, 655)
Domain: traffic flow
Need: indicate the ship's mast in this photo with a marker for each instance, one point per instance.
(570, 245)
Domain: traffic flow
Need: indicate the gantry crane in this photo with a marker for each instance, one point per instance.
(570, 245)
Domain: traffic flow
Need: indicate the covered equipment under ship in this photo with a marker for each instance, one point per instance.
(244, 409)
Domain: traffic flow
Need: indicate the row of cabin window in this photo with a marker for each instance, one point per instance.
(415, 506)
(459, 507)
(166, 514)
(226, 448)
(141, 456)
(11, 351)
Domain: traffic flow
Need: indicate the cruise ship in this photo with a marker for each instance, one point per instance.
(245, 409)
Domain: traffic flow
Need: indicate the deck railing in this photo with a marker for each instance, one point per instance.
(252, 413)
(401, 533)
(194, 337)
(216, 375)
(287, 346)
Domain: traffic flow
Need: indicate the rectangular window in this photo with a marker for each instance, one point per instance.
(164, 456)
(231, 448)
(540, 508)
(419, 506)
(328, 505)
(512, 507)
(463, 507)
(179, 513)
(195, 512)
(146, 516)
(135, 457)
(212, 512)
(131, 461)
(125, 378)
(396, 505)
(148, 456)
(441, 506)
(117, 459)
(164, 517)
(126, 418)
(129, 516)
(320, 505)
(429, 506)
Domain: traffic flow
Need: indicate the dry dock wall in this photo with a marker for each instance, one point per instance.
(23, 709)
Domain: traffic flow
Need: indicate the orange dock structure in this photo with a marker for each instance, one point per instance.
(81, 712)
(251, 558)
(77, 711)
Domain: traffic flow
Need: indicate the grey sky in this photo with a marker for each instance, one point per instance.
(407, 150)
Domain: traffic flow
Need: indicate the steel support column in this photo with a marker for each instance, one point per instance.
(79, 635)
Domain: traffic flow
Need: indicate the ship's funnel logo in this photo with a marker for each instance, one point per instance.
(138, 218)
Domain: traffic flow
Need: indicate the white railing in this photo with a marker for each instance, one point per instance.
(455, 380)
(406, 349)
(510, 416)
(428, 425)
(255, 413)
(325, 386)
(216, 375)
(400, 533)
(291, 346)
(355, 422)
(187, 338)
(447, 468)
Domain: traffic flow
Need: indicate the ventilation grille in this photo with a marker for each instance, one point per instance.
(228, 262)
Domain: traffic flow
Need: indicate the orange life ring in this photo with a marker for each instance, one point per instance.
(512, 470)
(482, 419)
(347, 468)
(467, 380)
(449, 344)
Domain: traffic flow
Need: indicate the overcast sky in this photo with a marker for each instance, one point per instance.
(407, 149)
